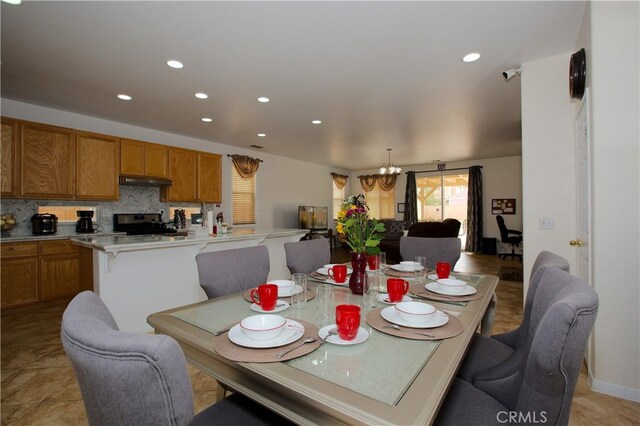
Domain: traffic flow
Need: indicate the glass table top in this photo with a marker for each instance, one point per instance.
(381, 368)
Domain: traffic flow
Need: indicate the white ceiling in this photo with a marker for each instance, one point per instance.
(378, 74)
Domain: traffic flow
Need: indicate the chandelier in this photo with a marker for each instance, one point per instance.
(389, 168)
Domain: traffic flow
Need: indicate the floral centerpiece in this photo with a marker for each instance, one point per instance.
(363, 237)
(363, 234)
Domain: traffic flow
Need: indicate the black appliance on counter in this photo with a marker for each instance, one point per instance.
(140, 224)
(44, 223)
(85, 222)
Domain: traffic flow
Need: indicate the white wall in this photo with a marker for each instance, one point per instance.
(548, 156)
(548, 160)
(615, 139)
(501, 178)
(282, 183)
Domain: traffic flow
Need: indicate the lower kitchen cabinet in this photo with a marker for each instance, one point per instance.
(19, 275)
(42, 271)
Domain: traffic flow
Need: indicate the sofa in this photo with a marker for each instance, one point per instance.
(390, 243)
(394, 230)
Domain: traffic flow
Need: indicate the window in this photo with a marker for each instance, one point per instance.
(188, 211)
(338, 198)
(66, 214)
(243, 193)
(381, 203)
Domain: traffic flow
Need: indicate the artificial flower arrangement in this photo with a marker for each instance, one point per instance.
(363, 234)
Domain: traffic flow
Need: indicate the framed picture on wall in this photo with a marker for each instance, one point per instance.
(503, 206)
(400, 207)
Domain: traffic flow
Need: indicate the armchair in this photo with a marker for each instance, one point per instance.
(509, 236)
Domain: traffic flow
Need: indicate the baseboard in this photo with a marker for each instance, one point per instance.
(613, 390)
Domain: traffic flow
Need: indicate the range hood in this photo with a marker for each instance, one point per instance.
(144, 181)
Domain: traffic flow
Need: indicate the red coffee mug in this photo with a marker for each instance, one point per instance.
(443, 269)
(348, 321)
(267, 296)
(338, 273)
(397, 288)
(374, 262)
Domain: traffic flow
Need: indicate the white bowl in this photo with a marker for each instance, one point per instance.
(452, 285)
(263, 327)
(415, 312)
(284, 287)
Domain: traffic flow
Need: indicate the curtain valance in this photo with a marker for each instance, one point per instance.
(246, 166)
(339, 180)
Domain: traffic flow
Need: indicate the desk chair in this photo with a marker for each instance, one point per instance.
(563, 312)
(139, 379)
(230, 271)
(509, 236)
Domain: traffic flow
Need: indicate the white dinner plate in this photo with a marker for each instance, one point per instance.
(325, 271)
(437, 320)
(292, 332)
(281, 305)
(437, 288)
(336, 340)
(404, 268)
(330, 281)
(384, 298)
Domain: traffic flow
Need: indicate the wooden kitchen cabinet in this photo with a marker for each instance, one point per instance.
(143, 158)
(98, 167)
(183, 171)
(59, 270)
(209, 177)
(19, 274)
(9, 177)
(47, 161)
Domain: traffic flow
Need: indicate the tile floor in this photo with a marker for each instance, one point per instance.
(38, 386)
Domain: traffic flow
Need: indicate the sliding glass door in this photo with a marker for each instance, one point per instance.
(441, 196)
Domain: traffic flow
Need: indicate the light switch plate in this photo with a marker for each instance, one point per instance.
(546, 223)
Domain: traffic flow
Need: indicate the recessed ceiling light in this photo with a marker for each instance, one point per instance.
(262, 135)
(13, 2)
(263, 99)
(201, 95)
(175, 64)
(207, 119)
(471, 57)
(317, 122)
(124, 97)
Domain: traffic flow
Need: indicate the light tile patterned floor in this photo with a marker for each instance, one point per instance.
(38, 386)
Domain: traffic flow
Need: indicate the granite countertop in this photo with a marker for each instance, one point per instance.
(16, 238)
(118, 243)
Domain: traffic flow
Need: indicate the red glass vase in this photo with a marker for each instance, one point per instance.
(359, 274)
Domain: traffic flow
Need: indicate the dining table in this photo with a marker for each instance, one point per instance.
(384, 379)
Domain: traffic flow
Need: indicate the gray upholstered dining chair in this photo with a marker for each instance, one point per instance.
(541, 386)
(434, 249)
(485, 354)
(230, 271)
(308, 255)
(139, 379)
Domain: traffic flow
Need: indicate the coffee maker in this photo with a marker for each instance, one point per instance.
(85, 222)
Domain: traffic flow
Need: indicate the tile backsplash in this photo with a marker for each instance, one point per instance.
(133, 199)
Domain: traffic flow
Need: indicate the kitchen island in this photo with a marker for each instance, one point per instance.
(136, 276)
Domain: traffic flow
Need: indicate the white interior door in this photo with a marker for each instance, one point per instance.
(583, 191)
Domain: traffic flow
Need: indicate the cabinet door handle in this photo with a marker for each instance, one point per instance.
(11, 247)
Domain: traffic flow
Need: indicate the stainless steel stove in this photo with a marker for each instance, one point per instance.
(140, 224)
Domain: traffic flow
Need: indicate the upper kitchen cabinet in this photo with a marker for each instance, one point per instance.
(98, 166)
(209, 177)
(9, 179)
(143, 159)
(183, 171)
(47, 165)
